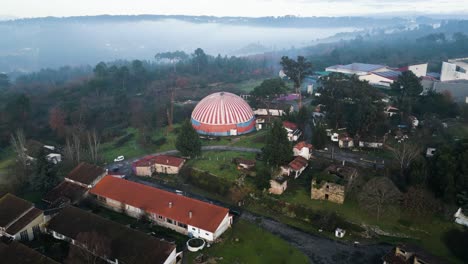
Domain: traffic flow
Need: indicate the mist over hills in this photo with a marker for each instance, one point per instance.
(31, 44)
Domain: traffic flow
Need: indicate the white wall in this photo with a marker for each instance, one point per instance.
(374, 79)
(449, 72)
(419, 69)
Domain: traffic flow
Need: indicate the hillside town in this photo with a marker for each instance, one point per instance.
(329, 166)
(285, 139)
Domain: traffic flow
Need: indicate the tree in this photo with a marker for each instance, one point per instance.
(319, 136)
(296, 70)
(420, 202)
(188, 142)
(277, 150)
(377, 194)
(45, 176)
(174, 57)
(404, 154)
(4, 81)
(93, 146)
(200, 59)
(267, 91)
(57, 120)
(409, 86)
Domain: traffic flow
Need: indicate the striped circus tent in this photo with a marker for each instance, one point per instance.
(223, 114)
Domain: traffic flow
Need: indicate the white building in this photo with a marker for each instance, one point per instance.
(303, 149)
(455, 69)
(183, 214)
(357, 68)
(460, 218)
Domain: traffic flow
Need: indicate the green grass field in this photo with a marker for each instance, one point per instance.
(249, 85)
(247, 243)
(220, 163)
(132, 149)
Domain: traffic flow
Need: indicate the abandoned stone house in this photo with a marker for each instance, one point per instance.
(333, 183)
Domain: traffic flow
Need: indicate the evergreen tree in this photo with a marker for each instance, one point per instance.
(45, 175)
(188, 142)
(409, 86)
(319, 136)
(277, 150)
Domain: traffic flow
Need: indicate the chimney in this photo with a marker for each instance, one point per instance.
(167, 161)
(190, 214)
(170, 204)
(344, 162)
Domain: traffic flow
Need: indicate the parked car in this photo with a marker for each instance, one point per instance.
(119, 158)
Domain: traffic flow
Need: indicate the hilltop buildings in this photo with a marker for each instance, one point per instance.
(223, 114)
(378, 75)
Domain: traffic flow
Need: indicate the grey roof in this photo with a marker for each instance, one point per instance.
(363, 67)
(392, 75)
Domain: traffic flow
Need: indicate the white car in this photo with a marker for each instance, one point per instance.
(119, 158)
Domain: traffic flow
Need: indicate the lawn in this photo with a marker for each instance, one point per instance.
(220, 163)
(249, 85)
(132, 149)
(247, 243)
(458, 130)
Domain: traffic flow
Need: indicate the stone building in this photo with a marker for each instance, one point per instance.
(332, 184)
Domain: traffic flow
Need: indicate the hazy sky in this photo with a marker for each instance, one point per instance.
(251, 8)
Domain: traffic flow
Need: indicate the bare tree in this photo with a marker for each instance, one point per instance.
(377, 194)
(18, 142)
(90, 248)
(93, 145)
(73, 149)
(405, 153)
(419, 201)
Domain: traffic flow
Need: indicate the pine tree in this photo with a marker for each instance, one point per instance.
(277, 150)
(188, 142)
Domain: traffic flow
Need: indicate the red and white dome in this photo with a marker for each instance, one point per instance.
(223, 114)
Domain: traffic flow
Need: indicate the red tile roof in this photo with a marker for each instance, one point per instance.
(204, 215)
(298, 163)
(302, 145)
(290, 125)
(169, 160)
(85, 173)
(160, 159)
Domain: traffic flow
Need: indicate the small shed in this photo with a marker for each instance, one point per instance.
(340, 232)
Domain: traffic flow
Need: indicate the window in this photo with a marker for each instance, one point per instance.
(326, 196)
(182, 225)
(160, 217)
(36, 230)
(194, 229)
(24, 235)
(169, 221)
(207, 234)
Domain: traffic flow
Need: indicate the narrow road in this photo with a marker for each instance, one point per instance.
(320, 250)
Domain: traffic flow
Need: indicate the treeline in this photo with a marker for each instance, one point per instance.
(53, 104)
(424, 44)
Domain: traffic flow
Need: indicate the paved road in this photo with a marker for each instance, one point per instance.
(320, 250)
(357, 158)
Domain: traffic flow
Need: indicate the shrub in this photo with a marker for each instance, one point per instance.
(160, 141)
(456, 241)
(123, 140)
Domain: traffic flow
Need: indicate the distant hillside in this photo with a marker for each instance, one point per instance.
(284, 21)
